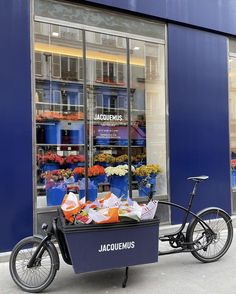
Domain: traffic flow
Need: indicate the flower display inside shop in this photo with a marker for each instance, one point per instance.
(54, 175)
(50, 157)
(138, 158)
(96, 170)
(122, 158)
(74, 158)
(119, 170)
(102, 157)
(147, 170)
(93, 171)
(57, 175)
(233, 164)
(79, 171)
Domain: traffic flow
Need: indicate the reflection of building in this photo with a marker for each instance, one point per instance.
(185, 117)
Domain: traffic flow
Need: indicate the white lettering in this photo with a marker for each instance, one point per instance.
(108, 117)
(117, 246)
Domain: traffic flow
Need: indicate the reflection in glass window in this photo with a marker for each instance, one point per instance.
(60, 114)
(59, 111)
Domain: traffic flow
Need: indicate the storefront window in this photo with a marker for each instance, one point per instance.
(148, 126)
(59, 111)
(232, 107)
(107, 132)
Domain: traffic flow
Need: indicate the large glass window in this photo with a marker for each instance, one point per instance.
(107, 132)
(59, 111)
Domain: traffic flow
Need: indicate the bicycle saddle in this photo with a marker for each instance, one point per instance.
(198, 179)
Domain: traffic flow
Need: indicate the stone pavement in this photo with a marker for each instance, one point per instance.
(173, 274)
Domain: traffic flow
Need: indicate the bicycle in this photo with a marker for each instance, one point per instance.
(204, 233)
(34, 261)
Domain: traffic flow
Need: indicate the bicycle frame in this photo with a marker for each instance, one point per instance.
(184, 245)
(177, 234)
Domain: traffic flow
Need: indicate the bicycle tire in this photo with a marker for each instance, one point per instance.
(220, 222)
(40, 276)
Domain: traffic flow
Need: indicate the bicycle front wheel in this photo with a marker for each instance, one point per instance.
(38, 277)
(210, 247)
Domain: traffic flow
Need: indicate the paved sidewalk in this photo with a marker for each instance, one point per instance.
(173, 274)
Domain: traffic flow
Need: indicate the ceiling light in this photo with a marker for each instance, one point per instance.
(55, 34)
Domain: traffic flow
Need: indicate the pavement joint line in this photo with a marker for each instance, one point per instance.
(4, 257)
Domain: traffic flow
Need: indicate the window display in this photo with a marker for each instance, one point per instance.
(99, 114)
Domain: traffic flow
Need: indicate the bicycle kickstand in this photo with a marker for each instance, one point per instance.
(126, 277)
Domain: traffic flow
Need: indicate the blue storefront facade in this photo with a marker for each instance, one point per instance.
(197, 115)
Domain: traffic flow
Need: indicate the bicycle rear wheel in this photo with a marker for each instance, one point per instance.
(214, 246)
(38, 277)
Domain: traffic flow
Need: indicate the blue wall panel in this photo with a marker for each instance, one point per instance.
(15, 132)
(217, 15)
(198, 123)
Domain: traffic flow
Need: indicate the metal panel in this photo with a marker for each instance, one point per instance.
(198, 109)
(212, 14)
(16, 124)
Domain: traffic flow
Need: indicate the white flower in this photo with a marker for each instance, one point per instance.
(120, 170)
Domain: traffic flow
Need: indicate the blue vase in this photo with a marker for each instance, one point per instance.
(153, 181)
(78, 177)
(233, 178)
(49, 166)
(119, 186)
(144, 191)
(92, 194)
(55, 195)
(102, 163)
(74, 165)
(98, 179)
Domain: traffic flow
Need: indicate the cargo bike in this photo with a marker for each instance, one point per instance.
(34, 261)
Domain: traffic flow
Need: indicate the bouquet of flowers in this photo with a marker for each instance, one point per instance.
(96, 170)
(50, 157)
(74, 158)
(119, 170)
(53, 175)
(102, 157)
(57, 175)
(122, 158)
(93, 171)
(138, 158)
(147, 170)
(79, 171)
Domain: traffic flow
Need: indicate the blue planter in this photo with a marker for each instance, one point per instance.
(92, 194)
(119, 186)
(77, 177)
(49, 166)
(102, 163)
(74, 165)
(144, 191)
(233, 178)
(55, 195)
(98, 179)
(51, 133)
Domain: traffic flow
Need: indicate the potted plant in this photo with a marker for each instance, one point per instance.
(49, 161)
(55, 187)
(118, 176)
(148, 172)
(103, 159)
(72, 161)
(122, 159)
(96, 173)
